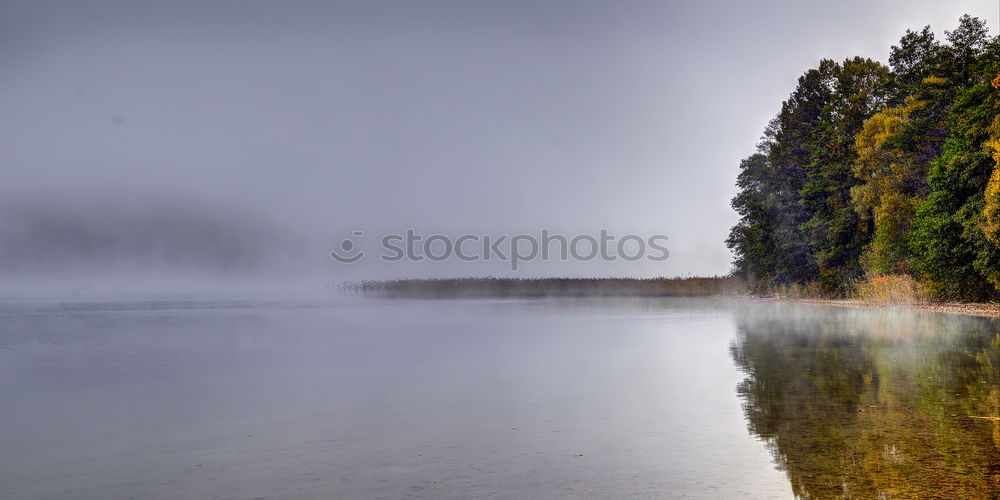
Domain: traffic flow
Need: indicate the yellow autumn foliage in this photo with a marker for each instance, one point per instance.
(991, 211)
(934, 80)
(886, 198)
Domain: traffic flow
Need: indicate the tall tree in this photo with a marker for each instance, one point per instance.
(894, 183)
(853, 91)
(752, 239)
(914, 59)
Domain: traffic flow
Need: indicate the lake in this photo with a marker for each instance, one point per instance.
(549, 398)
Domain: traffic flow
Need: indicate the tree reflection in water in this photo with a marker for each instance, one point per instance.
(859, 403)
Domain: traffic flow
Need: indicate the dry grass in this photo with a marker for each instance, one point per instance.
(890, 289)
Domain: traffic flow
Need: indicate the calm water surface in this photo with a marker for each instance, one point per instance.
(552, 398)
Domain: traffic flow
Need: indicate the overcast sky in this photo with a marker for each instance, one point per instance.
(482, 117)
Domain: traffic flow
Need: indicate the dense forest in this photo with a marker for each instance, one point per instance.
(870, 171)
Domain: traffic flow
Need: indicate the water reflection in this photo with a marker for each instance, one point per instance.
(858, 403)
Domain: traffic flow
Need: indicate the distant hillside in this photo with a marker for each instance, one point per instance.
(59, 234)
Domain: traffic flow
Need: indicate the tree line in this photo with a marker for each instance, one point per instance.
(870, 169)
(547, 287)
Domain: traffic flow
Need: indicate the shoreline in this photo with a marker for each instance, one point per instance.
(708, 286)
(986, 310)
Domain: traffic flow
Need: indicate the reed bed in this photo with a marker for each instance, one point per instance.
(545, 287)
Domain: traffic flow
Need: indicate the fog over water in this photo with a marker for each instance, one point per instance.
(552, 398)
(230, 145)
